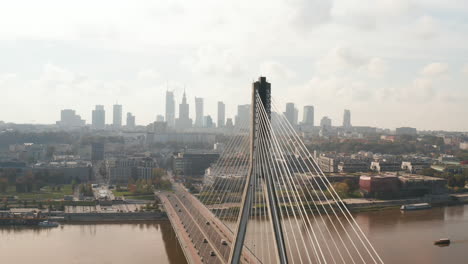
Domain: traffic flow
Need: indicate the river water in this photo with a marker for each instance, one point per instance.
(398, 237)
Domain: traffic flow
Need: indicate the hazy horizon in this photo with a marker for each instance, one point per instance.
(392, 63)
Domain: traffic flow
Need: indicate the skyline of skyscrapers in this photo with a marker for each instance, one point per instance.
(184, 121)
(243, 114)
(117, 116)
(291, 113)
(199, 115)
(130, 120)
(347, 119)
(308, 115)
(221, 114)
(170, 109)
(99, 117)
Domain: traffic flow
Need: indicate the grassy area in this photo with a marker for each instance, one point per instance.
(122, 193)
(45, 194)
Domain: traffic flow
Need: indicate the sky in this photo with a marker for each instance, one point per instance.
(393, 63)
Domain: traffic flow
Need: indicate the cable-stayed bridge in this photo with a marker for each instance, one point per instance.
(266, 201)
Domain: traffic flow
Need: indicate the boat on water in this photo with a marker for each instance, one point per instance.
(418, 206)
(48, 223)
(442, 242)
(19, 219)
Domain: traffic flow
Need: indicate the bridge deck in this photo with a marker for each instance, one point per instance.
(193, 223)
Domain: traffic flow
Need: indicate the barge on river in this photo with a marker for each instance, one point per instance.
(418, 206)
(17, 219)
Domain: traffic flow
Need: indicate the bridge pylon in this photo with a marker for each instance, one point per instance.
(261, 98)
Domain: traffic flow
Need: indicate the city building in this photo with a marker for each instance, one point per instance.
(68, 118)
(193, 164)
(328, 164)
(170, 109)
(184, 121)
(418, 185)
(208, 121)
(117, 116)
(406, 131)
(308, 115)
(415, 166)
(199, 112)
(353, 165)
(130, 120)
(97, 151)
(221, 114)
(347, 119)
(326, 123)
(229, 123)
(243, 115)
(291, 113)
(464, 145)
(159, 118)
(99, 117)
(123, 170)
(381, 166)
(379, 184)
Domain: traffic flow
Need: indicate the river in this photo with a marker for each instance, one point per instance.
(398, 237)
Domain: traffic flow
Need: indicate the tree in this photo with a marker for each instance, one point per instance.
(342, 189)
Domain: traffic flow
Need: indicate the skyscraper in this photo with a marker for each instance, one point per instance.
(243, 115)
(347, 119)
(170, 109)
(308, 116)
(184, 121)
(221, 114)
(68, 118)
(117, 116)
(198, 112)
(99, 117)
(208, 121)
(130, 120)
(291, 113)
(159, 118)
(326, 123)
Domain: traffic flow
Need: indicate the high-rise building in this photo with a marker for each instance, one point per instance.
(229, 123)
(170, 109)
(243, 115)
(199, 112)
(184, 121)
(130, 120)
(221, 114)
(97, 151)
(308, 116)
(68, 118)
(208, 121)
(326, 122)
(99, 117)
(159, 118)
(117, 116)
(347, 119)
(291, 113)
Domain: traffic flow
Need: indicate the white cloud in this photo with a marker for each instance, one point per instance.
(377, 66)
(307, 14)
(464, 69)
(427, 27)
(435, 69)
(148, 75)
(276, 70)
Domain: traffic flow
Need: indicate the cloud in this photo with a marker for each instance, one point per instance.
(435, 69)
(377, 66)
(148, 75)
(211, 60)
(427, 27)
(307, 14)
(344, 59)
(464, 69)
(276, 70)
